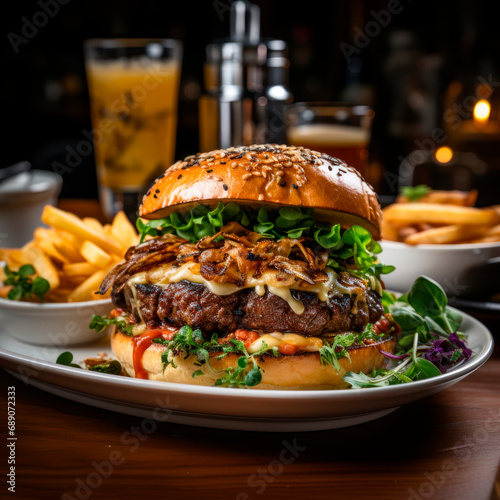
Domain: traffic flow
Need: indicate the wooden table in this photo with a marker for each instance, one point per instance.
(443, 447)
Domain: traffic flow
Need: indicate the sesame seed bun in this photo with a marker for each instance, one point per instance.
(267, 174)
(297, 372)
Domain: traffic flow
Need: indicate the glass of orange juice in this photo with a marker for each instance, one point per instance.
(337, 129)
(133, 87)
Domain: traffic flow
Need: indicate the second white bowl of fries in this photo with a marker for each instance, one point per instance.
(71, 256)
(442, 235)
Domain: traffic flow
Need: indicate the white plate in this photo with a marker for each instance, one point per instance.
(226, 408)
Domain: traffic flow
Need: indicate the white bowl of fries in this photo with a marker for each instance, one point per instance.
(462, 270)
(72, 256)
(58, 325)
(443, 237)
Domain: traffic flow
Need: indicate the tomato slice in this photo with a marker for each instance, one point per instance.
(288, 349)
(116, 312)
(248, 337)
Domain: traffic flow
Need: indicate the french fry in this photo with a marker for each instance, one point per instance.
(66, 221)
(123, 230)
(444, 235)
(95, 255)
(86, 290)
(66, 245)
(460, 198)
(59, 294)
(389, 231)
(44, 242)
(485, 239)
(79, 269)
(93, 223)
(412, 213)
(493, 231)
(42, 264)
(13, 257)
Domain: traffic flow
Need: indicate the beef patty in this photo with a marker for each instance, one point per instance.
(186, 303)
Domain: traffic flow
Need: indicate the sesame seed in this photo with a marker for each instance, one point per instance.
(295, 186)
(209, 171)
(157, 190)
(283, 183)
(246, 176)
(155, 196)
(179, 176)
(225, 187)
(222, 162)
(330, 168)
(261, 197)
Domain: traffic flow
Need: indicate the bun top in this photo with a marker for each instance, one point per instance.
(266, 174)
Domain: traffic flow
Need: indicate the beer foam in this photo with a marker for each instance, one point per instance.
(327, 134)
(136, 66)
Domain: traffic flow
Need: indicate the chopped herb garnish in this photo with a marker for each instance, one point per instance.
(99, 323)
(113, 367)
(414, 193)
(66, 359)
(338, 349)
(246, 373)
(23, 285)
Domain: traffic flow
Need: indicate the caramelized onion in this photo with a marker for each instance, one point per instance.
(230, 256)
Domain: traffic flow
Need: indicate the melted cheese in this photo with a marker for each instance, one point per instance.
(133, 303)
(167, 273)
(375, 285)
(276, 339)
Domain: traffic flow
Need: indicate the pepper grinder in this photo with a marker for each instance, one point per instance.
(245, 80)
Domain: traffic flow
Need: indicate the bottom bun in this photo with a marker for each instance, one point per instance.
(294, 372)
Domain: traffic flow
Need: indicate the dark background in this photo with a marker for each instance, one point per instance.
(404, 70)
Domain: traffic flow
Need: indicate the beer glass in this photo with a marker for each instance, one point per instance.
(337, 129)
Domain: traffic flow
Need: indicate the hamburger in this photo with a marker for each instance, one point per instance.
(258, 267)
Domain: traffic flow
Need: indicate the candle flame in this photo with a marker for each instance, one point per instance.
(444, 154)
(482, 111)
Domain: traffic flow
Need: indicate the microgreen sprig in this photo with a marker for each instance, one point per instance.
(414, 193)
(246, 372)
(23, 285)
(99, 323)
